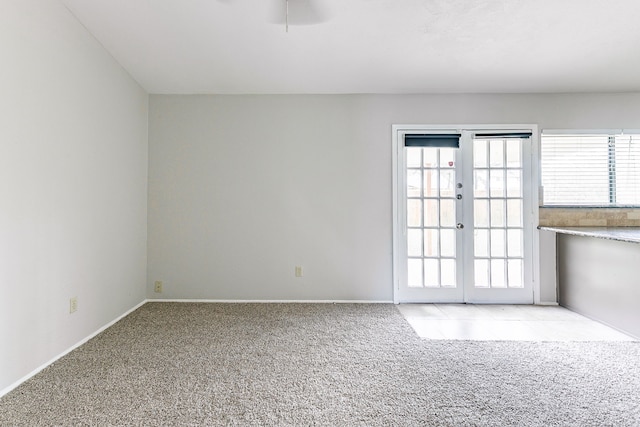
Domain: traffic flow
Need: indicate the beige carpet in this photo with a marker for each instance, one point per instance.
(321, 364)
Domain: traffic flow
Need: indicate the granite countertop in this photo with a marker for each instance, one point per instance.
(624, 234)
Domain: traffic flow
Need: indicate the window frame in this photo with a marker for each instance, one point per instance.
(611, 134)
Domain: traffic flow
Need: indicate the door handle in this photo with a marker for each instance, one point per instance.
(460, 226)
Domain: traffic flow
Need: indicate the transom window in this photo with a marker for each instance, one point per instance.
(590, 169)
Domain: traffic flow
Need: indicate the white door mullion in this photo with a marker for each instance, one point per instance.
(467, 218)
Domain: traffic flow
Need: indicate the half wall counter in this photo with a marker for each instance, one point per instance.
(598, 270)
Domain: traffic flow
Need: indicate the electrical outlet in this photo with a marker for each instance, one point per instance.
(298, 271)
(73, 305)
(157, 287)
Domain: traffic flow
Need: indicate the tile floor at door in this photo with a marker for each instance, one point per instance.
(505, 322)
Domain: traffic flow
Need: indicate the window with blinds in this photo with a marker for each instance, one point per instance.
(590, 170)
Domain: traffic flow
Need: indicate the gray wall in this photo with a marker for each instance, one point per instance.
(244, 188)
(599, 278)
(548, 271)
(73, 185)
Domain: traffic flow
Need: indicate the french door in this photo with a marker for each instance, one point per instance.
(464, 215)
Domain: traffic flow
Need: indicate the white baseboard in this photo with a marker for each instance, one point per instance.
(263, 301)
(69, 350)
(550, 303)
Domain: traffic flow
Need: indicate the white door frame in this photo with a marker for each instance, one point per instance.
(398, 179)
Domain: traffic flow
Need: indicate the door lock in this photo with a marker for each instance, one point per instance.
(460, 226)
(459, 196)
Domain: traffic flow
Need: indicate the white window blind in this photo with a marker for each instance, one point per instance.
(590, 170)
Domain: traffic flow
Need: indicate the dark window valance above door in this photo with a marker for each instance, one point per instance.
(451, 140)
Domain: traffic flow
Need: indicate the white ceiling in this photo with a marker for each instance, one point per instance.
(372, 46)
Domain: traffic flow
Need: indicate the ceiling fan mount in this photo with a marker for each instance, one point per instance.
(295, 12)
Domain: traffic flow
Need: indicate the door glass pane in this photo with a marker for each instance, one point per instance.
(497, 183)
(481, 213)
(414, 183)
(414, 276)
(414, 212)
(481, 273)
(447, 213)
(430, 157)
(448, 273)
(431, 213)
(431, 273)
(480, 183)
(448, 242)
(514, 213)
(497, 244)
(414, 242)
(447, 158)
(431, 183)
(498, 279)
(413, 157)
(447, 183)
(430, 243)
(497, 213)
(480, 153)
(514, 242)
(514, 160)
(514, 183)
(514, 267)
(496, 153)
(481, 243)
